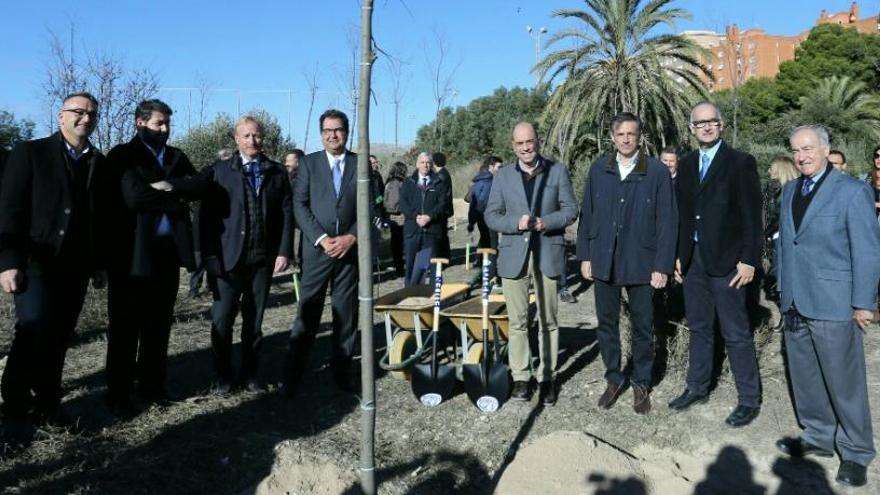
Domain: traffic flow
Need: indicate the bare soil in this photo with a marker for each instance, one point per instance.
(260, 443)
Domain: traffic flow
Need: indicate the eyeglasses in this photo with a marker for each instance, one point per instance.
(703, 123)
(81, 112)
(877, 155)
(338, 130)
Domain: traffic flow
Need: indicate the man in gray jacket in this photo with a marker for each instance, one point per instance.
(828, 269)
(530, 205)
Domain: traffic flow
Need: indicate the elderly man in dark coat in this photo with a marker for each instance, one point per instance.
(626, 239)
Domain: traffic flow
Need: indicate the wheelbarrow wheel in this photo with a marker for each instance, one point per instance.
(403, 346)
(474, 354)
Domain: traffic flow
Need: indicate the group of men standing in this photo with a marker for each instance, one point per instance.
(70, 215)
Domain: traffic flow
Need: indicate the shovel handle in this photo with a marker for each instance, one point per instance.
(438, 285)
(486, 251)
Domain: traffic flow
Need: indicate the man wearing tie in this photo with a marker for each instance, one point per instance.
(424, 202)
(719, 246)
(246, 236)
(154, 240)
(828, 268)
(324, 206)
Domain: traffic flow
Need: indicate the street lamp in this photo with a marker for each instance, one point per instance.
(536, 35)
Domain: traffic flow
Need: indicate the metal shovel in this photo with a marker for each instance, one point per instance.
(432, 383)
(486, 383)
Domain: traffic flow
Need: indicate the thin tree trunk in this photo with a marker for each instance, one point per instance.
(365, 258)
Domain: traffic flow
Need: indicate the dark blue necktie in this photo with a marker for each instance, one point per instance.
(807, 187)
(254, 174)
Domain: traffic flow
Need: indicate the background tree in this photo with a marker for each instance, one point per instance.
(117, 86)
(620, 61)
(13, 130)
(202, 143)
(441, 69)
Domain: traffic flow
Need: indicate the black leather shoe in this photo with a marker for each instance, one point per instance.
(345, 383)
(548, 393)
(798, 447)
(742, 416)
(852, 474)
(687, 399)
(122, 408)
(221, 388)
(521, 391)
(251, 385)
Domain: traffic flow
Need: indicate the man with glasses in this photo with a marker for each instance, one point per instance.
(53, 237)
(719, 246)
(324, 205)
(828, 273)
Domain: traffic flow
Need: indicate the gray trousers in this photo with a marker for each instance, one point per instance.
(826, 361)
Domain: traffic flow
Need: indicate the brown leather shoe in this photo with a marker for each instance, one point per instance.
(641, 399)
(611, 394)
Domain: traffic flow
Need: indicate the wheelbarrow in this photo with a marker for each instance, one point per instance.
(406, 313)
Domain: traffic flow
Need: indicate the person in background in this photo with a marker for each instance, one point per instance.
(197, 277)
(781, 171)
(393, 186)
(874, 182)
(443, 249)
(478, 198)
(424, 202)
(838, 160)
(669, 156)
(291, 163)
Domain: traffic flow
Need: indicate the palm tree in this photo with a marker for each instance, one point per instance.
(845, 107)
(619, 61)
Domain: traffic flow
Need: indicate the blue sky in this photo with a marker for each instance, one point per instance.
(257, 51)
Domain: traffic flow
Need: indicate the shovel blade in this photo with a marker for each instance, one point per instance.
(487, 392)
(431, 390)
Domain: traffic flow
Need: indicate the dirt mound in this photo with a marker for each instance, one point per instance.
(295, 476)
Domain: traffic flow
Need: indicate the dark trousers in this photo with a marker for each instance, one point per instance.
(397, 247)
(46, 314)
(196, 278)
(704, 296)
(419, 248)
(826, 363)
(641, 310)
(141, 311)
(247, 286)
(319, 272)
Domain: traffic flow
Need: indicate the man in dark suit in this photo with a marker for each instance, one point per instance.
(719, 246)
(626, 239)
(53, 238)
(154, 240)
(828, 268)
(246, 225)
(424, 202)
(324, 205)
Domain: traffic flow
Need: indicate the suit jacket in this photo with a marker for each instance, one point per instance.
(434, 202)
(830, 266)
(144, 206)
(725, 211)
(636, 218)
(3, 155)
(553, 201)
(36, 202)
(223, 215)
(316, 207)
